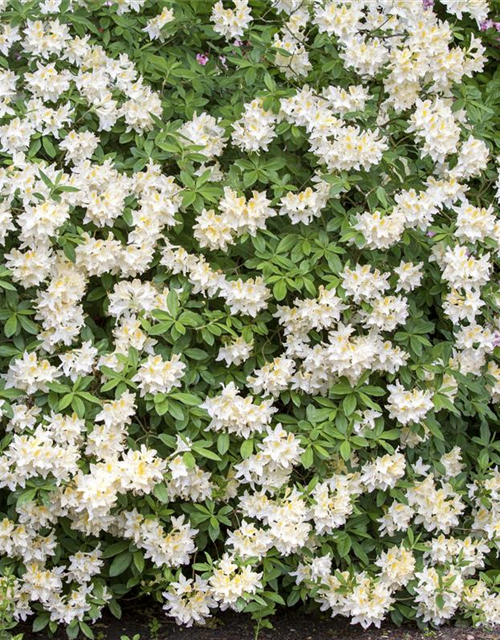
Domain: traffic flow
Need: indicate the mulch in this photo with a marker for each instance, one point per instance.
(151, 624)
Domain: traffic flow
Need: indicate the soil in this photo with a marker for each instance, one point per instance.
(150, 623)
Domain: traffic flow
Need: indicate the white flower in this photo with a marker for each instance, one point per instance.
(230, 412)
(474, 223)
(230, 582)
(188, 600)
(204, 131)
(231, 23)
(273, 377)
(255, 129)
(78, 362)
(31, 374)
(248, 297)
(154, 26)
(434, 123)
(408, 406)
(410, 276)
(397, 565)
(159, 376)
(464, 271)
(236, 351)
(383, 472)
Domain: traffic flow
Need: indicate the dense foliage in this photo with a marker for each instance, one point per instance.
(250, 306)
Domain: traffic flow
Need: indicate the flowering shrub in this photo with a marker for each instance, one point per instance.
(250, 308)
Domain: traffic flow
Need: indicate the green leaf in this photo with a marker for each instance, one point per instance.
(349, 404)
(26, 496)
(7, 285)
(196, 354)
(78, 406)
(343, 544)
(223, 443)
(269, 82)
(307, 458)
(115, 548)
(86, 630)
(7, 350)
(120, 564)
(360, 552)
(173, 303)
(188, 198)
(345, 450)
(392, 434)
(160, 491)
(10, 326)
(189, 460)
(168, 440)
(382, 196)
(65, 401)
(115, 608)
(139, 561)
(279, 290)
(433, 427)
(69, 252)
(246, 449)
(41, 621)
(287, 244)
(49, 148)
(160, 328)
(58, 387)
(206, 453)
(161, 408)
(443, 402)
(175, 410)
(187, 398)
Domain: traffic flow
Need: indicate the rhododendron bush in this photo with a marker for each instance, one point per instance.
(250, 309)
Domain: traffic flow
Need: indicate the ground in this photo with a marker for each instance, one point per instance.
(151, 624)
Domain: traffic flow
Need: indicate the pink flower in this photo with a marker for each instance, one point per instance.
(490, 24)
(202, 59)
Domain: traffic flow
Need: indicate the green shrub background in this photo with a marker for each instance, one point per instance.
(341, 437)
